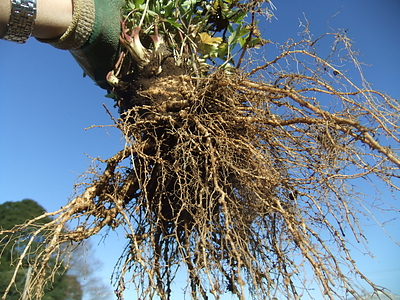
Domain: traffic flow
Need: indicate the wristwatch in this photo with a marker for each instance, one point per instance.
(22, 21)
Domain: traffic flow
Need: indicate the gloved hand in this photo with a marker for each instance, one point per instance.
(93, 37)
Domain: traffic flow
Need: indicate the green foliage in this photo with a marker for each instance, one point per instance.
(197, 30)
(13, 214)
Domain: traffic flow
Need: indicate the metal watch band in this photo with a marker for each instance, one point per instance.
(22, 21)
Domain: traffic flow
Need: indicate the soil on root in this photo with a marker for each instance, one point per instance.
(131, 90)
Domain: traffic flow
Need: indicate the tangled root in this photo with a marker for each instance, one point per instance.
(233, 180)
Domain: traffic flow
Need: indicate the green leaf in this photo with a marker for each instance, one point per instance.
(242, 41)
(256, 42)
(173, 23)
(223, 50)
(138, 3)
(232, 38)
(189, 3)
(237, 16)
(152, 13)
(242, 30)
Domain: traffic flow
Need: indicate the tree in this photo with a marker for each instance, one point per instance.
(244, 175)
(83, 266)
(14, 239)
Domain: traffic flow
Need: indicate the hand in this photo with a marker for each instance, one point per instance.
(98, 55)
(93, 37)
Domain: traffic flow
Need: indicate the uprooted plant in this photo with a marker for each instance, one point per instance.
(243, 178)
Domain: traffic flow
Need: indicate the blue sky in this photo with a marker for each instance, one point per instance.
(45, 104)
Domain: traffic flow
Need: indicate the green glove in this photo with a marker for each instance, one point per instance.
(93, 37)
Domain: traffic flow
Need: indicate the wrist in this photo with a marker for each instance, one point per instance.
(53, 18)
(79, 29)
(45, 19)
(5, 9)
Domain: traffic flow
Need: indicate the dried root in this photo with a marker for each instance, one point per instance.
(233, 178)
